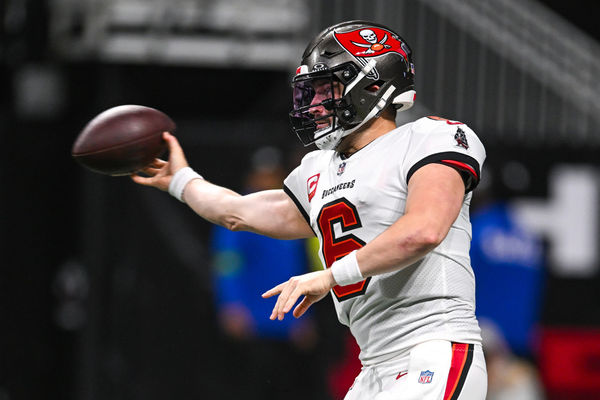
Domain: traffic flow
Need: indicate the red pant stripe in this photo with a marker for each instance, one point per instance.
(462, 357)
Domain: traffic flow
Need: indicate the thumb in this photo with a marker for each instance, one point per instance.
(176, 155)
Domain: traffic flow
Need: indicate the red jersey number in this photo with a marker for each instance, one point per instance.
(342, 213)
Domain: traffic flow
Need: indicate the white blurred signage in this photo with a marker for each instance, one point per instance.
(568, 219)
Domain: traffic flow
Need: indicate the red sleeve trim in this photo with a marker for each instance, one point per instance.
(461, 165)
(465, 165)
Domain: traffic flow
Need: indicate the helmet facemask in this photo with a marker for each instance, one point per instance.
(319, 103)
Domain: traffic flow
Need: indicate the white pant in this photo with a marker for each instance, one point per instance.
(433, 370)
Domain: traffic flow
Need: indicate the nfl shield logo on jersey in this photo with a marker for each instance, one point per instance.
(341, 168)
(426, 376)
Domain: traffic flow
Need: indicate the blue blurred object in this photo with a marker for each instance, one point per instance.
(508, 262)
(246, 265)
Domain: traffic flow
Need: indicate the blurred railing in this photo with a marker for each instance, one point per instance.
(512, 69)
(556, 63)
(225, 33)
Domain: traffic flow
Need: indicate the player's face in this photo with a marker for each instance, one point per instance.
(325, 91)
(315, 103)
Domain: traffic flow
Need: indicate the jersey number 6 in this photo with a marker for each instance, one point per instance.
(343, 214)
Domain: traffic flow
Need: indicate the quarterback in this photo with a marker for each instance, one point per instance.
(389, 205)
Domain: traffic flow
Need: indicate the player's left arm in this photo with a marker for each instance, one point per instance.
(435, 196)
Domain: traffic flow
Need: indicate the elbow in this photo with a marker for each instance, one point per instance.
(426, 240)
(433, 237)
(233, 223)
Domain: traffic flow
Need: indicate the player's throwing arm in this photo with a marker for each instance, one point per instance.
(269, 212)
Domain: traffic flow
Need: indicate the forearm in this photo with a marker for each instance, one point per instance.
(405, 242)
(213, 203)
(268, 212)
(431, 209)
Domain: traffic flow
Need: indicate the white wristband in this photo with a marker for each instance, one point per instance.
(180, 181)
(345, 271)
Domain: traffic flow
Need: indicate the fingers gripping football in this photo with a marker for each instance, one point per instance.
(154, 168)
(313, 286)
(160, 172)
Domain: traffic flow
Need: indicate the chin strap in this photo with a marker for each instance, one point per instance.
(366, 70)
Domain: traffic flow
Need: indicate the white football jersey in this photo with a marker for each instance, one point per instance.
(348, 202)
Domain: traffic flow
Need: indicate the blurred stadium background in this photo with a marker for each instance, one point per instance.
(105, 286)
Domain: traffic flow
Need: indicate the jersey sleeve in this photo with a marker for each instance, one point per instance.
(451, 143)
(299, 188)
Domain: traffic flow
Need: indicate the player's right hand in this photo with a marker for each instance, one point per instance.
(313, 285)
(159, 173)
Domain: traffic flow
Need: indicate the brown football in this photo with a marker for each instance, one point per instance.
(122, 139)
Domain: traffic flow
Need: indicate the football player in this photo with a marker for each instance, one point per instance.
(389, 205)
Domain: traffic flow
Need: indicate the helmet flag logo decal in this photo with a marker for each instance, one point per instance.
(370, 42)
